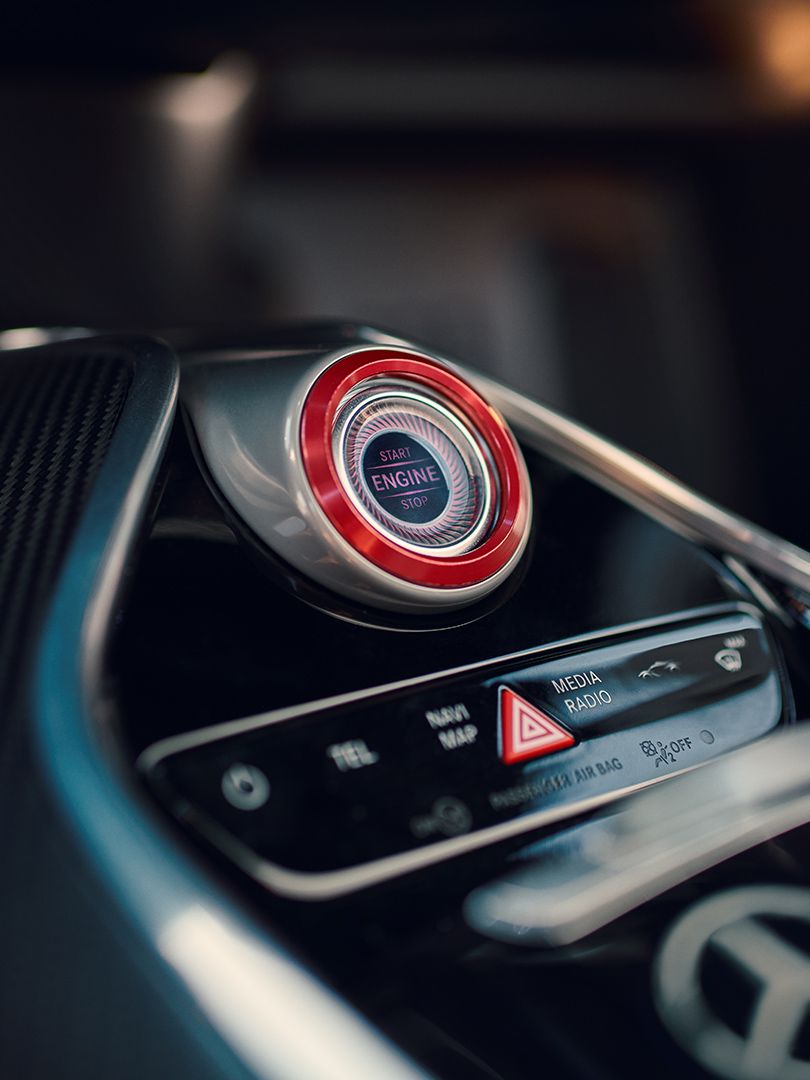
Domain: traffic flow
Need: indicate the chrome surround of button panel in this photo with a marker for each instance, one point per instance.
(646, 487)
(246, 412)
(302, 885)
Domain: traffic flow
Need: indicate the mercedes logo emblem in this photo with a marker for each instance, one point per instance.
(732, 983)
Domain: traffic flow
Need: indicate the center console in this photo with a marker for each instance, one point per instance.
(397, 638)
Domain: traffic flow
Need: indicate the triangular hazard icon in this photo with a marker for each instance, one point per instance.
(526, 731)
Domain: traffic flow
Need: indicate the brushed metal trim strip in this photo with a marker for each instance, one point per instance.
(645, 486)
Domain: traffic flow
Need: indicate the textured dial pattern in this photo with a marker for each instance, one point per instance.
(414, 470)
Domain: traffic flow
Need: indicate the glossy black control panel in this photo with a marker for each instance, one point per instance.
(328, 799)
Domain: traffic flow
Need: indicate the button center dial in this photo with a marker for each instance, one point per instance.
(413, 469)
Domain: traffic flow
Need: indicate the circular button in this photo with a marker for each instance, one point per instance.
(245, 787)
(413, 468)
(417, 474)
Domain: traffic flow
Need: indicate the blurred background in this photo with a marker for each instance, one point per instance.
(605, 204)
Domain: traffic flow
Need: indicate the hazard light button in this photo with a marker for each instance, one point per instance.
(526, 731)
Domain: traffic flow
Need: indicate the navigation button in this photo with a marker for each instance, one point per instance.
(526, 731)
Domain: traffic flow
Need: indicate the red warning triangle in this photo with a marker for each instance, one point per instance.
(526, 731)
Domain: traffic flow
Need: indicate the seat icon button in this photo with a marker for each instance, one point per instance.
(245, 787)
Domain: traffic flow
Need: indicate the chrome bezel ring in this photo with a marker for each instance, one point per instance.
(471, 572)
(378, 407)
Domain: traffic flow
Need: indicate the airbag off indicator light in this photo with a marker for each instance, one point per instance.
(527, 732)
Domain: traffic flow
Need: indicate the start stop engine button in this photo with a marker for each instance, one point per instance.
(377, 472)
(421, 495)
(404, 477)
(413, 469)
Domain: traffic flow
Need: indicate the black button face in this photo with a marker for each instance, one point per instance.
(404, 478)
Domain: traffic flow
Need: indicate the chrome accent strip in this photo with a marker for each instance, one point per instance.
(277, 1018)
(30, 337)
(305, 885)
(644, 486)
(758, 590)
